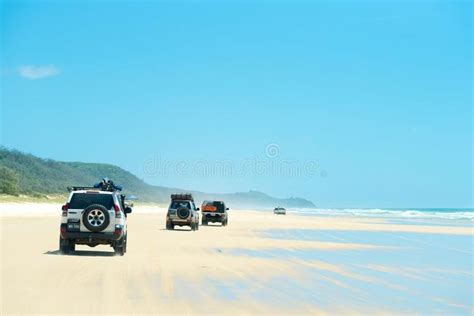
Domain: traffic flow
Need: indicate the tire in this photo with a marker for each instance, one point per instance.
(121, 248)
(169, 226)
(64, 246)
(183, 212)
(204, 222)
(193, 227)
(72, 246)
(125, 244)
(96, 218)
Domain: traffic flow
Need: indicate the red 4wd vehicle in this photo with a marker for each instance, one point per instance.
(214, 212)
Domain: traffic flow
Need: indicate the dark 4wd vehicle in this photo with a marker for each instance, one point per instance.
(214, 212)
(94, 216)
(182, 212)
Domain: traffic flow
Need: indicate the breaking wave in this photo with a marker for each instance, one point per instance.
(455, 214)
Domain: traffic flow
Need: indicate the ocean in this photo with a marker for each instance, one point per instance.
(393, 213)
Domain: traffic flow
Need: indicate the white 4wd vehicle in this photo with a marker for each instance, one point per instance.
(279, 211)
(94, 216)
(182, 212)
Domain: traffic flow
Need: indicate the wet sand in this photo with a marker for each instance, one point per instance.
(238, 269)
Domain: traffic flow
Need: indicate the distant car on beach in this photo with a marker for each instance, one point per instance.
(214, 212)
(182, 212)
(279, 211)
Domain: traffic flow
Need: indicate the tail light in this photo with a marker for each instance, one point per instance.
(117, 211)
(118, 230)
(65, 208)
(62, 230)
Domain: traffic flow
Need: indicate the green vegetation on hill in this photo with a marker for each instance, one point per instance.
(26, 174)
(8, 181)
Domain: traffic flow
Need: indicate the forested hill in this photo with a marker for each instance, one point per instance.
(26, 174)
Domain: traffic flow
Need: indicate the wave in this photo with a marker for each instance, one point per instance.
(462, 214)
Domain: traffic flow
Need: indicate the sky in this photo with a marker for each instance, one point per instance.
(346, 103)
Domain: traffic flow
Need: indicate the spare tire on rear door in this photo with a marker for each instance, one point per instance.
(96, 218)
(183, 212)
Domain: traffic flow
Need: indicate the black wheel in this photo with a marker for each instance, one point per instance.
(72, 246)
(197, 226)
(169, 225)
(193, 227)
(96, 218)
(119, 250)
(125, 242)
(204, 222)
(64, 246)
(121, 247)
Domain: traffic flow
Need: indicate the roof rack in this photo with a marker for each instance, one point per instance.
(104, 185)
(74, 188)
(182, 196)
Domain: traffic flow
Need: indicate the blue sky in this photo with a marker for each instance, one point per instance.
(375, 98)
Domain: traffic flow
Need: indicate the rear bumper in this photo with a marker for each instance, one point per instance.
(91, 237)
(217, 218)
(180, 222)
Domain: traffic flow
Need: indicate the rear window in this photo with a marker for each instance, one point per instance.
(83, 200)
(178, 204)
(220, 207)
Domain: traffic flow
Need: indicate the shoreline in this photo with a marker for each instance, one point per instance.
(324, 222)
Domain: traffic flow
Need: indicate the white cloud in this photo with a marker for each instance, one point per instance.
(37, 72)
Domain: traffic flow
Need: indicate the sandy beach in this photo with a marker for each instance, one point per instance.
(259, 264)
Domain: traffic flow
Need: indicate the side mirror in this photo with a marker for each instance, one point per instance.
(226, 208)
(128, 210)
(197, 208)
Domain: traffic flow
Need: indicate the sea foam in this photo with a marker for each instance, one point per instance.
(454, 214)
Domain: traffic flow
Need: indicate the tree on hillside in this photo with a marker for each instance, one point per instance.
(8, 181)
